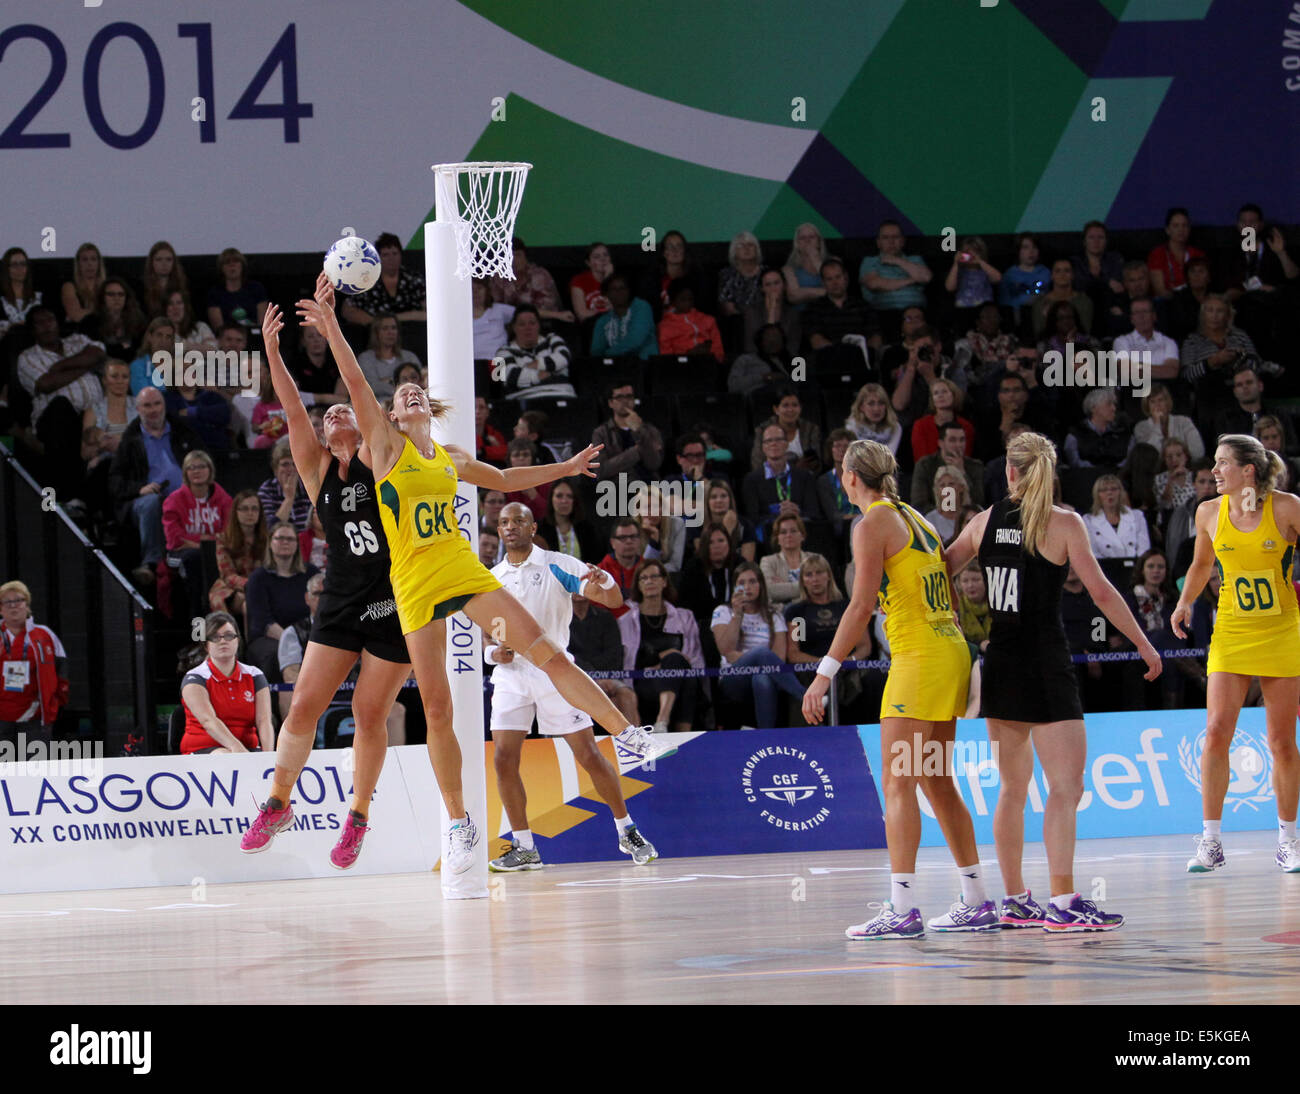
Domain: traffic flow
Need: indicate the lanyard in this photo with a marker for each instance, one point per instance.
(782, 487)
(841, 502)
(20, 652)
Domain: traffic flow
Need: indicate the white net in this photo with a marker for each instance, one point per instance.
(481, 202)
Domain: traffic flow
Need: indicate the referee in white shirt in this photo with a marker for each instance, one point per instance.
(542, 581)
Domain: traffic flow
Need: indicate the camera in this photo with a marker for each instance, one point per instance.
(925, 353)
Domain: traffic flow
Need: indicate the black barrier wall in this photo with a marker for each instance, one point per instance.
(104, 625)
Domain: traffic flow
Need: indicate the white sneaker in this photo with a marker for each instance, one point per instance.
(1209, 856)
(635, 745)
(1288, 856)
(461, 841)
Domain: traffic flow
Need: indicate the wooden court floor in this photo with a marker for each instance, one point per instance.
(741, 928)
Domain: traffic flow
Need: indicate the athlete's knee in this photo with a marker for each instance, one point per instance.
(939, 787)
(505, 761)
(1069, 790)
(1282, 743)
(898, 787)
(1218, 735)
(540, 653)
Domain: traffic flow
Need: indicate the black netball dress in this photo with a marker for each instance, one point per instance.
(1027, 673)
(356, 609)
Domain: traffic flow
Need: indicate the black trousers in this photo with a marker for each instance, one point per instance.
(687, 690)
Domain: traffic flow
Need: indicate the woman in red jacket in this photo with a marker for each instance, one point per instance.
(195, 512)
(227, 703)
(945, 403)
(31, 657)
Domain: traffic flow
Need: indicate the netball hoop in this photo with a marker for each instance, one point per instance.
(481, 202)
(470, 236)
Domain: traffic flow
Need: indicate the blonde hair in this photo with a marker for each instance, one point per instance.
(1100, 484)
(1249, 452)
(857, 420)
(958, 396)
(818, 562)
(19, 588)
(875, 465)
(197, 455)
(822, 253)
(1034, 458)
(1200, 315)
(962, 485)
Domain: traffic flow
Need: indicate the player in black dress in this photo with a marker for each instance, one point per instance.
(1030, 699)
(356, 614)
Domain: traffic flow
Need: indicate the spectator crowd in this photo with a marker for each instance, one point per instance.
(725, 397)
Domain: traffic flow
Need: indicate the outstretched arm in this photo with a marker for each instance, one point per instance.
(378, 431)
(302, 436)
(487, 477)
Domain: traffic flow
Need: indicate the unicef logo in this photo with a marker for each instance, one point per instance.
(1251, 764)
(791, 788)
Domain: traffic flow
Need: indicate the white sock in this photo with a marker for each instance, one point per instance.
(1063, 901)
(524, 837)
(623, 823)
(1210, 829)
(1022, 897)
(902, 892)
(457, 821)
(1285, 830)
(972, 885)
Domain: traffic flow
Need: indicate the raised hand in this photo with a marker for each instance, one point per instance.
(584, 463)
(272, 325)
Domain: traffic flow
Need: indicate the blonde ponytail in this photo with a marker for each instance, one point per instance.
(1034, 458)
(875, 466)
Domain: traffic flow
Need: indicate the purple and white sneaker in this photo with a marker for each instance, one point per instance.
(1081, 915)
(1209, 856)
(1022, 913)
(888, 923)
(967, 917)
(1288, 856)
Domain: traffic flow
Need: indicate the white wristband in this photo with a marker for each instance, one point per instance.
(828, 667)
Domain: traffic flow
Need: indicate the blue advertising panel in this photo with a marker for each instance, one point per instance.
(1142, 777)
(732, 793)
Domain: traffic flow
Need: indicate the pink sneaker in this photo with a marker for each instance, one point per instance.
(264, 828)
(348, 849)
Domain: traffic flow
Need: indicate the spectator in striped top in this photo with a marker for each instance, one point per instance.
(283, 496)
(534, 364)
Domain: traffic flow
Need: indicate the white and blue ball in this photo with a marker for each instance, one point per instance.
(352, 265)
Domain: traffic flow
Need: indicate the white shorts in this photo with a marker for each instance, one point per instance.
(514, 710)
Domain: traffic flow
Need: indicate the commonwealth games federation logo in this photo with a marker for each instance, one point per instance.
(791, 788)
(1251, 764)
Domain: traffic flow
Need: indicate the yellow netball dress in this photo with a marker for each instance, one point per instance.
(435, 571)
(929, 670)
(1257, 632)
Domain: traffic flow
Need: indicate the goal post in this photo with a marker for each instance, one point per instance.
(470, 236)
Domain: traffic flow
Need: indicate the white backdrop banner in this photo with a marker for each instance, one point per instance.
(261, 124)
(172, 820)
